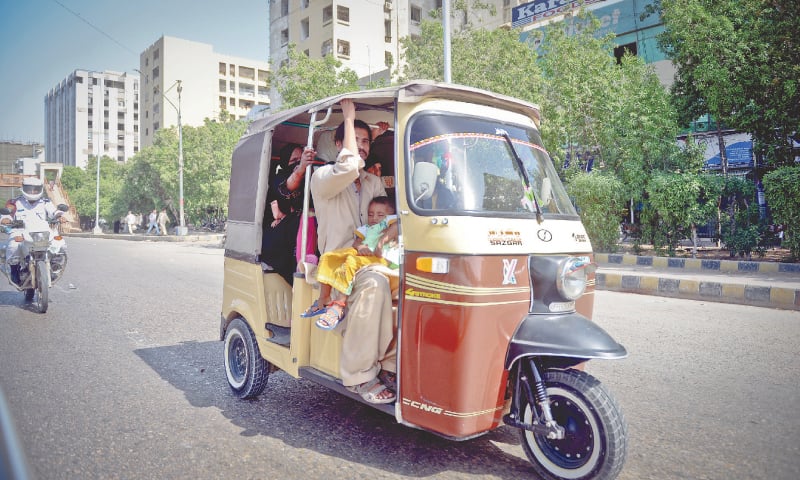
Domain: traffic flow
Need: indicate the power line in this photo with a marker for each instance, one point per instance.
(87, 22)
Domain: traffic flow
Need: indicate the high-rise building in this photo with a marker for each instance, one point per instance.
(364, 34)
(211, 85)
(92, 113)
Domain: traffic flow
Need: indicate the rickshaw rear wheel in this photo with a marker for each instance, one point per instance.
(245, 368)
(595, 444)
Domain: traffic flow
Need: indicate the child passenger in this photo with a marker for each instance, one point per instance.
(337, 268)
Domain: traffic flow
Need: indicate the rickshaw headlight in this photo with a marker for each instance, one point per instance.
(571, 281)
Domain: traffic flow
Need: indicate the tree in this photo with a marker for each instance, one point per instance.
(677, 202)
(474, 53)
(599, 198)
(782, 189)
(81, 186)
(739, 61)
(152, 179)
(303, 80)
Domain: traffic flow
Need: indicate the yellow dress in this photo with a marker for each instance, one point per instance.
(337, 268)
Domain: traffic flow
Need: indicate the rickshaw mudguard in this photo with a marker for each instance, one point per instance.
(562, 335)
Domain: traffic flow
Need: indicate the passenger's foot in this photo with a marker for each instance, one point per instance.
(315, 309)
(333, 314)
(374, 391)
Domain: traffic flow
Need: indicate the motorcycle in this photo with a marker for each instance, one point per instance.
(42, 253)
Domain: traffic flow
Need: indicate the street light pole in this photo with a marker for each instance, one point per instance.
(181, 230)
(180, 163)
(97, 229)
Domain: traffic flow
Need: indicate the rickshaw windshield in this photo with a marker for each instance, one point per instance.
(465, 166)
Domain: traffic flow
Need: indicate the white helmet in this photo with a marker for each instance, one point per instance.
(32, 188)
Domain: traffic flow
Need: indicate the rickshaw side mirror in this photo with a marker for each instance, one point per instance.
(547, 191)
(63, 207)
(424, 180)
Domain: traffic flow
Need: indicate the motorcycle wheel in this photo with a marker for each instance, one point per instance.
(246, 369)
(595, 442)
(42, 285)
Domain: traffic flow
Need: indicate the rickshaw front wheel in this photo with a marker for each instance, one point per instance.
(595, 441)
(246, 369)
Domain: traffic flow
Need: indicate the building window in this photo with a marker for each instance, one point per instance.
(232, 70)
(343, 14)
(416, 14)
(387, 30)
(303, 4)
(155, 72)
(306, 52)
(327, 47)
(620, 51)
(304, 29)
(327, 15)
(284, 8)
(156, 126)
(222, 68)
(222, 86)
(388, 59)
(284, 36)
(343, 48)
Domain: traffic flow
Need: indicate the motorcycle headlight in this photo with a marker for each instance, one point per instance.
(40, 236)
(571, 281)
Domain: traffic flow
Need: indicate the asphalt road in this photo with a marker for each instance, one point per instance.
(123, 378)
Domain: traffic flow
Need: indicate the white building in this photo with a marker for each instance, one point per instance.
(363, 34)
(211, 85)
(92, 113)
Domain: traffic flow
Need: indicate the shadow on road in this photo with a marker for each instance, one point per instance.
(305, 415)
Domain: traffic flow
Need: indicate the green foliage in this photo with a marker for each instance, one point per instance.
(740, 62)
(600, 203)
(742, 232)
(152, 179)
(474, 53)
(81, 187)
(782, 189)
(303, 80)
(676, 202)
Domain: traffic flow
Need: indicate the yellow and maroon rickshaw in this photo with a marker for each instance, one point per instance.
(496, 278)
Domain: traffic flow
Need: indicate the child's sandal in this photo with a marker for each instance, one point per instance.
(332, 316)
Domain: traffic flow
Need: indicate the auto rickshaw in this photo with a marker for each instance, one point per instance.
(496, 278)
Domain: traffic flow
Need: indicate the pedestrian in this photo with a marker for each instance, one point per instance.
(151, 222)
(130, 220)
(162, 221)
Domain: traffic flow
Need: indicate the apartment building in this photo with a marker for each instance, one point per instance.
(92, 113)
(178, 73)
(17, 158)
(363, 34)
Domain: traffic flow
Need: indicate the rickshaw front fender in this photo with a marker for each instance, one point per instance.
(562, 335)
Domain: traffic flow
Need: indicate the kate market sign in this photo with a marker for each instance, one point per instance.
(539, 9)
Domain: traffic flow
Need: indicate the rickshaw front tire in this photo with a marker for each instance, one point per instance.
(246, 370)
(595, 427)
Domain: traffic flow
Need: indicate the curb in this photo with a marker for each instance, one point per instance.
(775, 297)
(699, 289)
(729, 266)
(207, 238)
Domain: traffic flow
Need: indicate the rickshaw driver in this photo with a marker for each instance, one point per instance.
(342, 192)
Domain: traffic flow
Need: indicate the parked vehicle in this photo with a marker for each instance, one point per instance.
(496, 279)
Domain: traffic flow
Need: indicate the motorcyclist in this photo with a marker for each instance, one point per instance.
(30, 203)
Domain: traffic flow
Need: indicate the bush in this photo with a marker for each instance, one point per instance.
(600, 203)
(782, 190)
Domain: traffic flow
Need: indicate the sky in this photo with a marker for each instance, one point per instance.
(43, 41)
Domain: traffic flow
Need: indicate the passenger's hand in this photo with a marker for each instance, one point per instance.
(380, 128)
(348, 109)
(307, 158)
